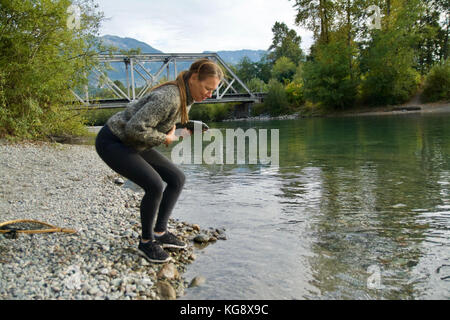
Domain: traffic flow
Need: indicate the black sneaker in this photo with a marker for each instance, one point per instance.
(169, 240)
(153, 252)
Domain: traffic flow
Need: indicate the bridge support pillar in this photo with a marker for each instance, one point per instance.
(242, 110)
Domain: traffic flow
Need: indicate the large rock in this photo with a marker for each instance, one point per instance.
(166, 291)
(201, 238)
(197, 281)
(169, 272)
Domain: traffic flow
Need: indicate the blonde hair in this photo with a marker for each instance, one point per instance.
(204, 68)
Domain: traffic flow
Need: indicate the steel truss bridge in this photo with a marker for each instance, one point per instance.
(135, 68)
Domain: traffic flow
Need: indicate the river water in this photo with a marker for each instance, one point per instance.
(358, 208)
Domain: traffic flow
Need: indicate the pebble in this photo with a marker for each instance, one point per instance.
(119, 181)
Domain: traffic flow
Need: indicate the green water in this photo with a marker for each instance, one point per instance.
(359, 208)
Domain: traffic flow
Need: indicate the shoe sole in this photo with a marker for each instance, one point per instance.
(142, 253)
(172, 246)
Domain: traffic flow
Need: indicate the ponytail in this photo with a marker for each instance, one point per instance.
(205, 68)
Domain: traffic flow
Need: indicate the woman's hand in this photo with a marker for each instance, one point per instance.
(185, 132)
(171, 137)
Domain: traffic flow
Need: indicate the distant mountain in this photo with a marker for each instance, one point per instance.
(233, 57)
(127, 44)
(230, 57)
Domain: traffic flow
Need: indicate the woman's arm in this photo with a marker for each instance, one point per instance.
(142, 125)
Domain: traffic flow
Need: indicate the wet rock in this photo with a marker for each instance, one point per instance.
(197, 281)
(221, 237)
(192, 256)
(201, 238)
(166, 291)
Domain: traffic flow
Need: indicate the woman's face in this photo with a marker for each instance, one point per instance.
(201, 90)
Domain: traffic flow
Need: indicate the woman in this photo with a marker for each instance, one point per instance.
(126, 144)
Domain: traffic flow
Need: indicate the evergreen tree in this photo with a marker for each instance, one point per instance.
(285, 43)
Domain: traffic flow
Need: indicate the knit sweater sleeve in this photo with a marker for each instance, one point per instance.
(141, 127)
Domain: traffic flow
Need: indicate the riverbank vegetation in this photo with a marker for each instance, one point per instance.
(358, 58)
(44, 52)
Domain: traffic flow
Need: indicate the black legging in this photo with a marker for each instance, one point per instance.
(148, 169)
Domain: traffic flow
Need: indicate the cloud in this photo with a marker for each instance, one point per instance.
(199, 25)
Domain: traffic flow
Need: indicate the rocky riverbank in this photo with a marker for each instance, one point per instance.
(70, 187)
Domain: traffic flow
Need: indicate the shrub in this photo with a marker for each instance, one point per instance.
(284, 70)
(100, 116)
(295, 94)
(211, 112)
(437, 83)
(258, 109)
(276, 101)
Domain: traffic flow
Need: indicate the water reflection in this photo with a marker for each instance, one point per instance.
(350, 196)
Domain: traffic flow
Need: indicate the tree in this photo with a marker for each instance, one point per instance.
(327, 78)
(264, 67)
(257, 85)
(317, 16)
(42, 56)
(283, 70)
(387, 64)
(432, 34)
(285, 43)
(246, 69)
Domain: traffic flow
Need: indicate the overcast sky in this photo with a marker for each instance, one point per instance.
(200, 25)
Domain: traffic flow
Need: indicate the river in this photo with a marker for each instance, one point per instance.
(358, 208)
(355, 208)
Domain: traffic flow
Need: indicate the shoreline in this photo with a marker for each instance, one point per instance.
(409, 108)
(70, 187)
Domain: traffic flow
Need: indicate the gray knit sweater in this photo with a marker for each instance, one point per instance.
(145, 122)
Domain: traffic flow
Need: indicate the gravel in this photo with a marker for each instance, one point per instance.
(69, 186)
